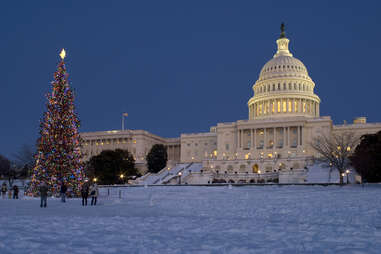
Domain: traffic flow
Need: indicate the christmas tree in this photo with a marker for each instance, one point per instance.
(58, 160)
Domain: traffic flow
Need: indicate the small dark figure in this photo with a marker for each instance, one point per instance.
(43, 194)
(15, 192)
(63, 192)
(84, 194)
(94, 194)
(4, 190)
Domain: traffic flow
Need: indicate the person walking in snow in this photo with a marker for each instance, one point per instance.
(4, 189)
(15, 192)
(63, 192)
(9, 193)
(94, 194)
(84, 193)
(43, 194)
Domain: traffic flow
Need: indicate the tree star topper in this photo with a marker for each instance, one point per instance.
(62, 54)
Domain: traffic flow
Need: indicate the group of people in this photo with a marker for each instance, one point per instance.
(14, 190)
(89, 190)
(86, 190)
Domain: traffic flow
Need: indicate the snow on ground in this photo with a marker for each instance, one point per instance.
(188, 219)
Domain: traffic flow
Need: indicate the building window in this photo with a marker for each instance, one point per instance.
(278, 106)
(289, 106)
(284, 106)
(304, 107)
(227, 147)
(296, 106)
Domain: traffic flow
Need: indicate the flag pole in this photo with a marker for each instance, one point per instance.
(122, 121)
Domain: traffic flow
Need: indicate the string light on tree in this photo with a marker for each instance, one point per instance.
(58, 159)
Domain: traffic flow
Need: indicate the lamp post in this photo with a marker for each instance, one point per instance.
(347, 172)
(180, 177)
(122, 178)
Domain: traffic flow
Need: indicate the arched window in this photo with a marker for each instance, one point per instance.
(284, 86)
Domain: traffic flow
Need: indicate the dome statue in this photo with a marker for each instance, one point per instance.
(284, 87)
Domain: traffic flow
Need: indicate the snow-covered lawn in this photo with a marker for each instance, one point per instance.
(250, 219)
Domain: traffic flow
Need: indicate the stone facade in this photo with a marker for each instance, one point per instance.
(137, 142)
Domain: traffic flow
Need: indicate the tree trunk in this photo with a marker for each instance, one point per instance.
(341, 178)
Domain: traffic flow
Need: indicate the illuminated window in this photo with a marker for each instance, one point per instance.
(284, 106)
(278, 106)
(289, 106)
(260, 109)
(284, 86)
(273, 107)
(304, 107)
(134, 141)
(264, 108)
(270, 155)
(296, 106)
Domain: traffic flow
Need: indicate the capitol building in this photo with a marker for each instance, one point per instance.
(273, 144)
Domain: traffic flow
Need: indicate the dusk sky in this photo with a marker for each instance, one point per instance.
(179, 66)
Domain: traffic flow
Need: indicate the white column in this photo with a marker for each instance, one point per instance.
(251, 138)
(288, 136)
(254, 139)
(265, 139)
(297, 139)
(242, 144)
(284, 137)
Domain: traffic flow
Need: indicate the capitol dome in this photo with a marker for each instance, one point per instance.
(284, 87)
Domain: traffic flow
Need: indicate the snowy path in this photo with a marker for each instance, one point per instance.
(251, 219)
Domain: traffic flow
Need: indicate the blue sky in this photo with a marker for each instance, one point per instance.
(179, 66)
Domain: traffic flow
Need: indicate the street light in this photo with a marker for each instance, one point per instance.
(95, 180)
(347, 172)
(180, 177)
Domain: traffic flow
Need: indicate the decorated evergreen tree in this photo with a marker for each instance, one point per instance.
(58, 158)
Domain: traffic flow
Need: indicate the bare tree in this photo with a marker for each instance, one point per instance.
(335, 150)
(7, 170)
(25, 156)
